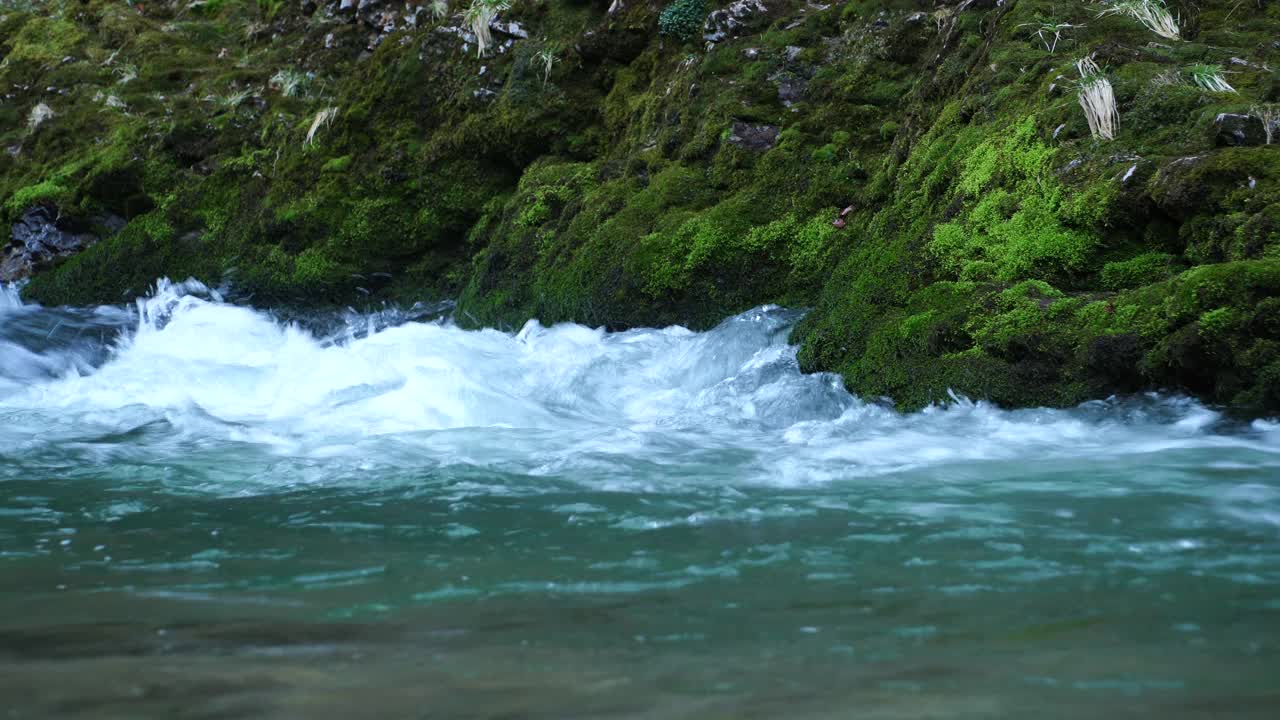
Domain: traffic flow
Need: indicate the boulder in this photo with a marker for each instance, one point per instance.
(1238, 129)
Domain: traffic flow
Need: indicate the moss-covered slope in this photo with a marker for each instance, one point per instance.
(920, 174)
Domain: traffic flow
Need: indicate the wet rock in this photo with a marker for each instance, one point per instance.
(40, 237)
(1238, 129)
(754, 137)
(735, 20)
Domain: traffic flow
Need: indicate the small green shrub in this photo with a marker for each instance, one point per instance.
(683, 18)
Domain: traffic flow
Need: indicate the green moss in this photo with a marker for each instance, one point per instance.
(1137, 271)
(44, 40)
(337, 165)
(824, 154)
(48, 191)
(1016, 227)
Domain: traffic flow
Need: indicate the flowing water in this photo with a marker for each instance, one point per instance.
(206, 512)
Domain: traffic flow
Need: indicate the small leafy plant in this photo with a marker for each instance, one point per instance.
(1270, 116)
(289, 82)
(1050, 32)
(683, 19)
(479, 16)
(1151, 13)
(547, 58)
(234, 98)
(1098, 100)
(321, 120)
(126, 73)
(1210, 77)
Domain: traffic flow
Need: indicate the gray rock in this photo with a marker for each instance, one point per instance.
(1238, 129)
(511, 28)
(737, 19)
(754, 137)
(40, 237)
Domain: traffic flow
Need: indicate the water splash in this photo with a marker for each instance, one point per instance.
(626, 409)
(688, 500)
(10, 298)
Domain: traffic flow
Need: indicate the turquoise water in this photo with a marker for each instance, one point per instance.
(206, 511)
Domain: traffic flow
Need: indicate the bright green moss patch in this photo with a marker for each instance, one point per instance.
(337, 165)
(44, 40)
(1135, 272)
(1014, 225)
(48, 191)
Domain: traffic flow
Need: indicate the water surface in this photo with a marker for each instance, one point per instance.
(208, 512)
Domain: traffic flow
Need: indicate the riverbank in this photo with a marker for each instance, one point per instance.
(922, 175)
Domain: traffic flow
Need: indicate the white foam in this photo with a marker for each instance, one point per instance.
(10, 298)
(625, 409)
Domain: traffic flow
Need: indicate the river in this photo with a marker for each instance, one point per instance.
(208, 510)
